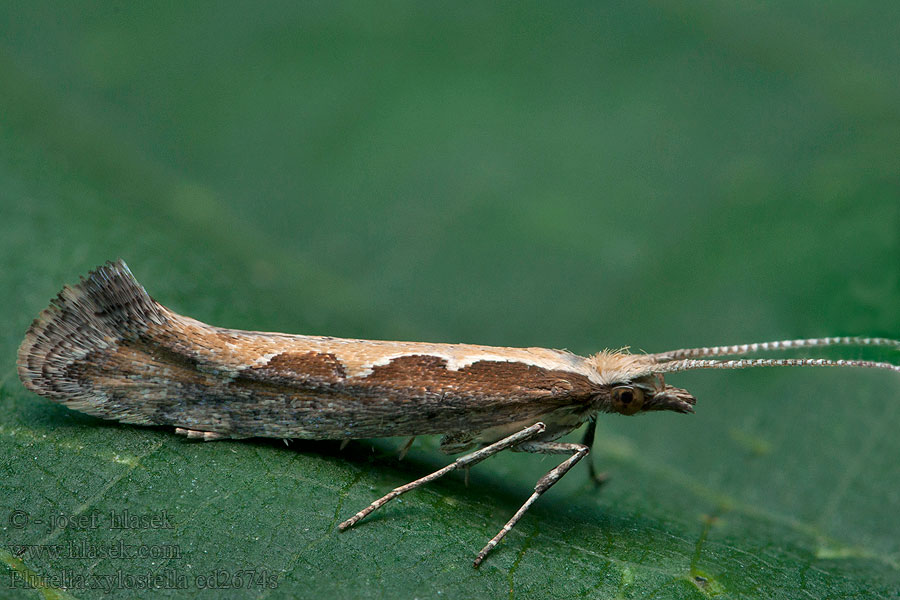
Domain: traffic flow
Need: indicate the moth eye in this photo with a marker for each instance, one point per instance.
(629, 399)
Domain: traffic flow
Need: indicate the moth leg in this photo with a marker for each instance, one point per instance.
(588, 440)
(405, 448)
(578, 451)
(194, 434)
(461, 462)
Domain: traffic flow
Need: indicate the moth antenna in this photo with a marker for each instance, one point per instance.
(742, 349)
(746, 363)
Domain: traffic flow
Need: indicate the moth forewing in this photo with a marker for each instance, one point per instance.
(105, 347)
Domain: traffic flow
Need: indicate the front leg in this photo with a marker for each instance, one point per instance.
(588, 440)
(578, 451)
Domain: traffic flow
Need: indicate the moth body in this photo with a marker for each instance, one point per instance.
(106, 348)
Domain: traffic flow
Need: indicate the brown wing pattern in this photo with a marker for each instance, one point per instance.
(106, 348)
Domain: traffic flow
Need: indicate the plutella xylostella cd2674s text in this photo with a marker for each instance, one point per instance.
(106, 348)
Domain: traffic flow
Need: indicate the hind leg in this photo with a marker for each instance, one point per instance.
(462, 462)
(195, 434)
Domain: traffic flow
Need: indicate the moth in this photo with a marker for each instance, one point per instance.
(106, 348)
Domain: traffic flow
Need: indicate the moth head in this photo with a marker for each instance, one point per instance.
(647, 394)
(634, 383)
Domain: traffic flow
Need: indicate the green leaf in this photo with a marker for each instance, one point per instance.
(580, 177)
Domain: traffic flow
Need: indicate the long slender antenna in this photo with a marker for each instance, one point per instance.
(745, 363)
(741, 349)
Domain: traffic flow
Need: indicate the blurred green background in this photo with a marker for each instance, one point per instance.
(592, 175)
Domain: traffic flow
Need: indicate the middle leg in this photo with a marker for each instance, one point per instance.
(578, 451)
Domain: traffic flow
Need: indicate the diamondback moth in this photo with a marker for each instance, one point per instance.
(106, 348)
